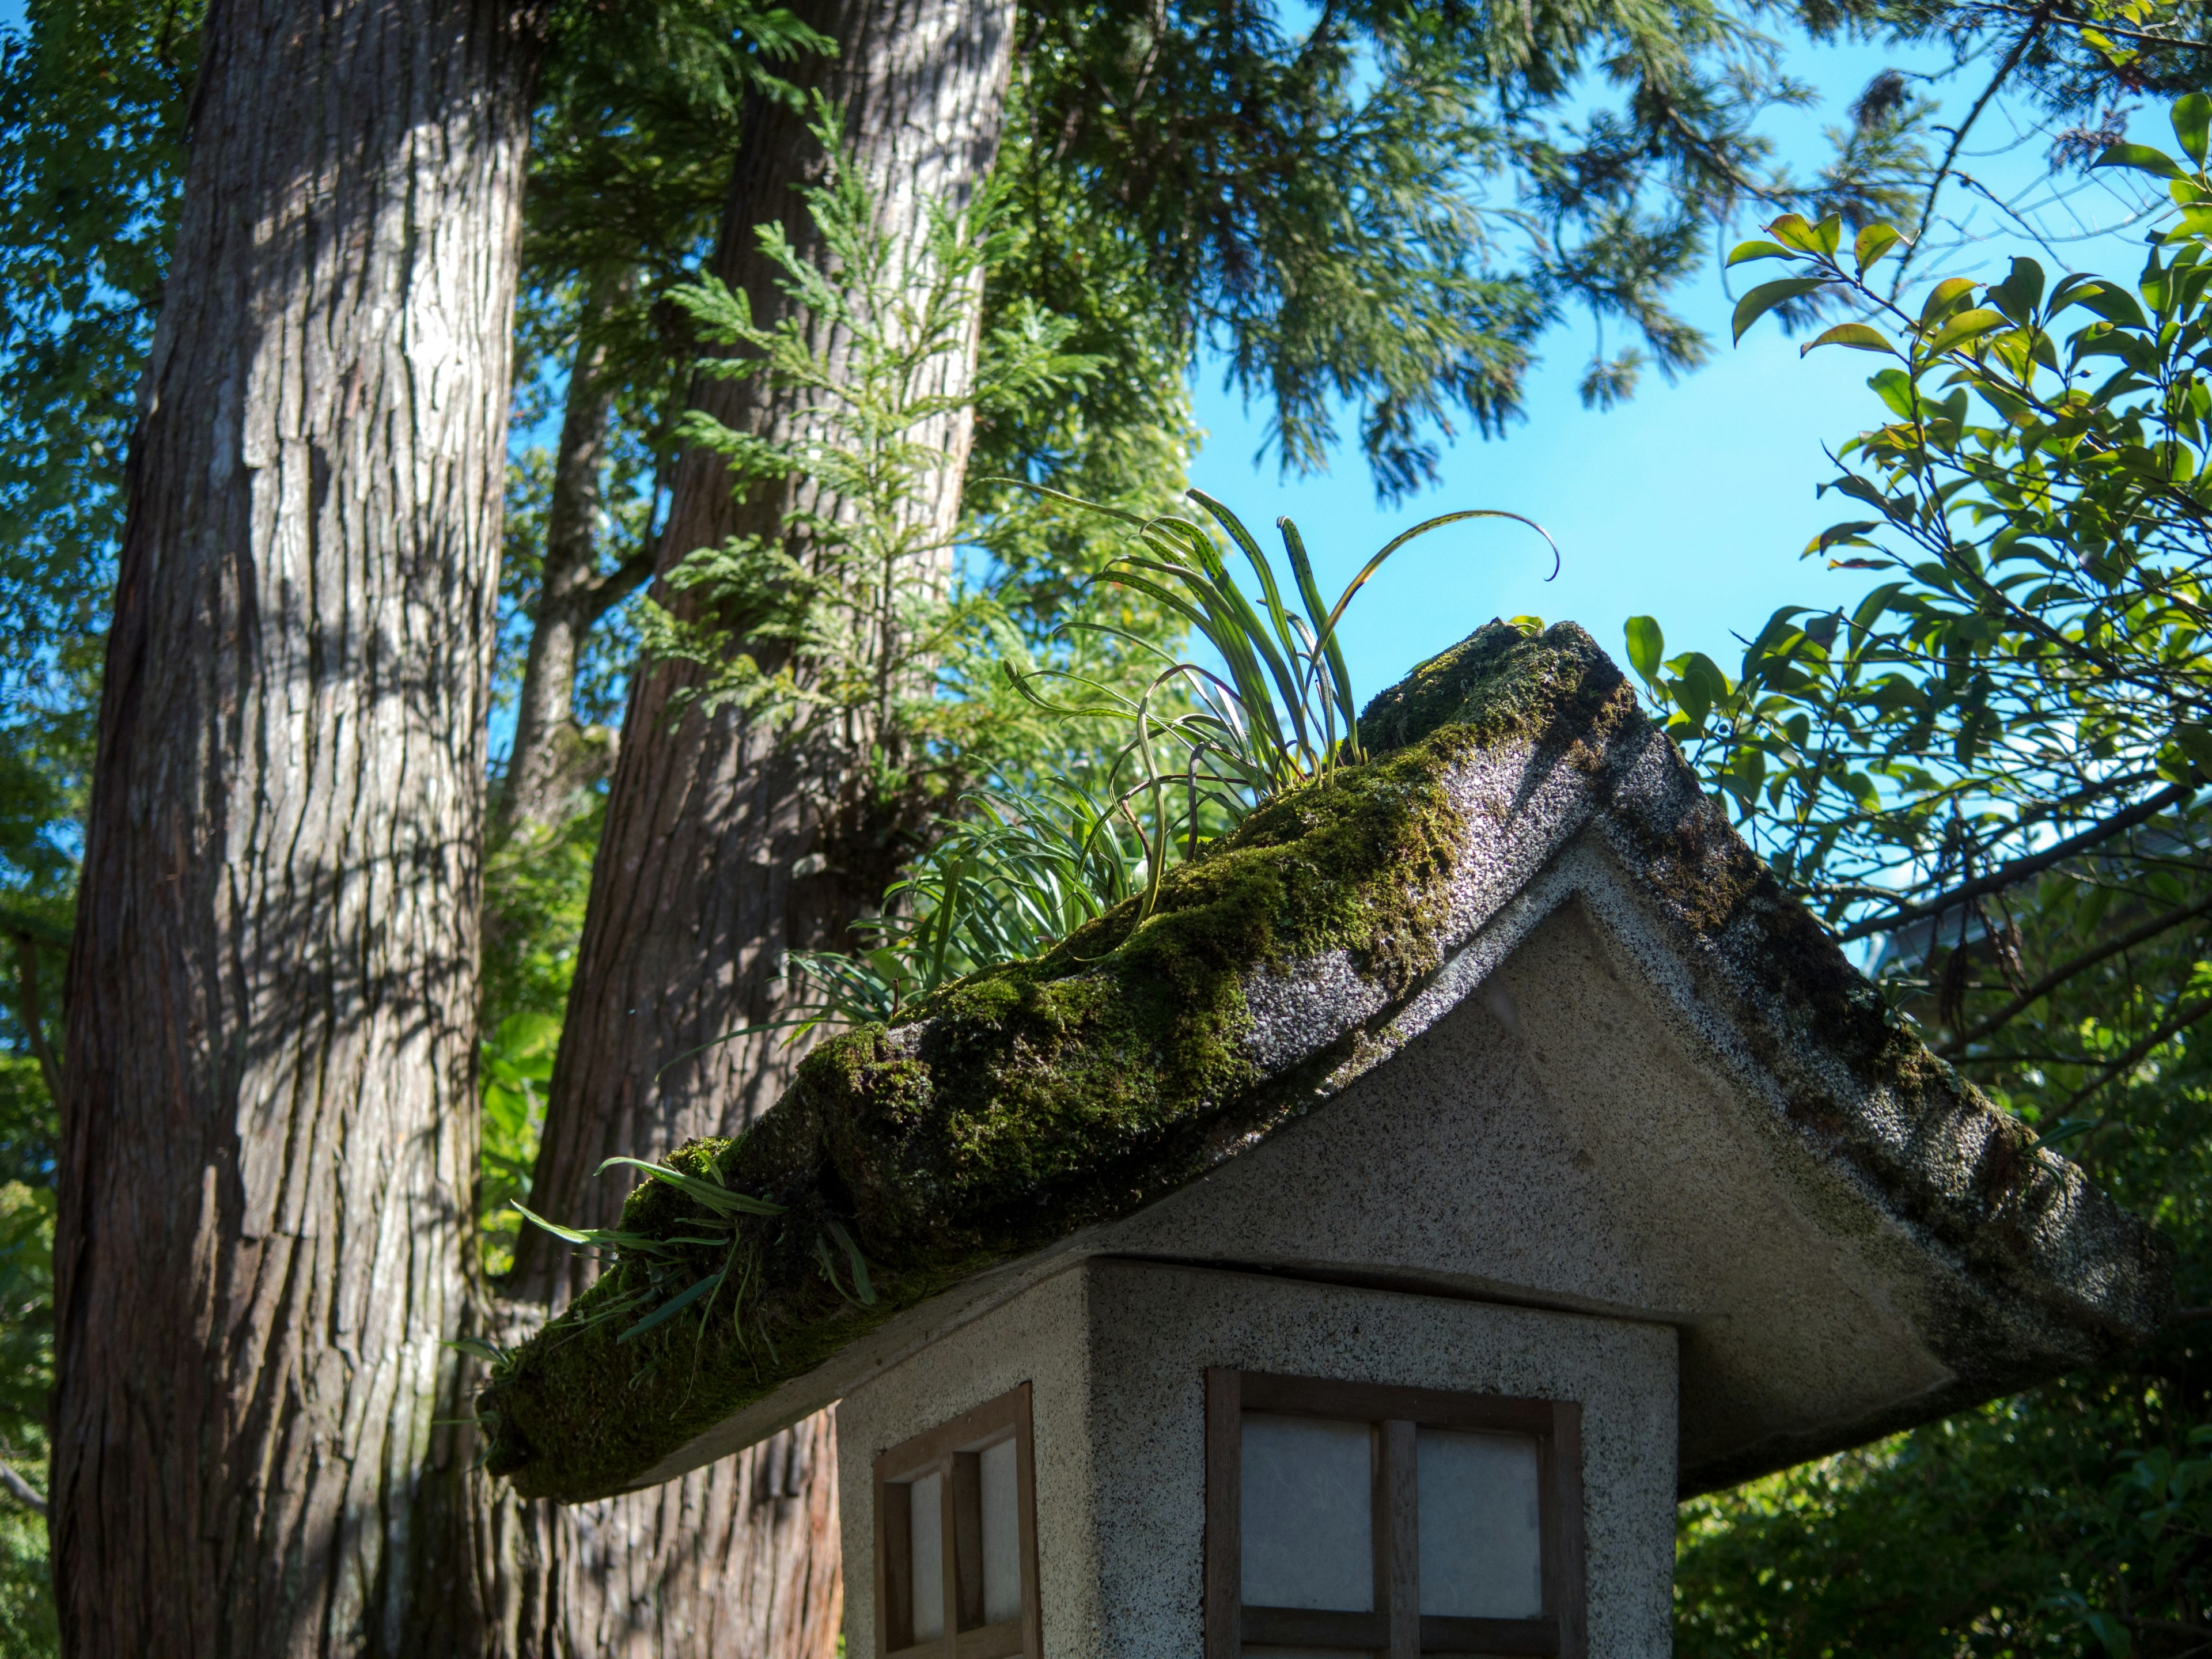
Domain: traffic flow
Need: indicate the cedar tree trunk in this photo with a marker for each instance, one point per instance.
(723, 849)
(268, 1170)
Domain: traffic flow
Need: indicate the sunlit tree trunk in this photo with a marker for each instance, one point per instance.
(268, 1170)
(723, 848)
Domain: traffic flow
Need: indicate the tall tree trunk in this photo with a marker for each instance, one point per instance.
(723, 848)
(267, 1169)
(552, 759)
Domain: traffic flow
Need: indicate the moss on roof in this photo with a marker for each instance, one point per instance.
(1027, 1101)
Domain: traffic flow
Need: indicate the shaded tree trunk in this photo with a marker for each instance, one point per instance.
(724, 849)
(552, 760)
(268, 1170)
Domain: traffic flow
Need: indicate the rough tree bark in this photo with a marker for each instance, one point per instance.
(552, 759)
(266, 1229)
(723, 849)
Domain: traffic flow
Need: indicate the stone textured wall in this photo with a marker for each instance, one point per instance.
(1116, 1351)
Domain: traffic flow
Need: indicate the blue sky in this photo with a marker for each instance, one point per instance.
(1692, 503)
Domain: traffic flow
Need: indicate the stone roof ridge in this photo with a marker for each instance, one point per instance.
(1019, 1107)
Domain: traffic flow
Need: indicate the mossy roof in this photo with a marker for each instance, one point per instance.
(1027, 1103)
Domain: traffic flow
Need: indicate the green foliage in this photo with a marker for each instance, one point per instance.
(516, 1066)
(843, 610)
(92, 111)
(28, 1132)
(1182, 759)
(28, 1627)
(91, 116)
(2072, 1520)
(1992, 763)
(640, 112)
(2024, 693)
(1053, 1094)
(536, 883)
(1012, 875)
(1388, 210)
(1990, 1533)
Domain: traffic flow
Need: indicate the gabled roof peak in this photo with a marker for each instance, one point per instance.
(1020, 1111)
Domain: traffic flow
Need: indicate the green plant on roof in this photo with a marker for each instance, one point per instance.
(1200, 750)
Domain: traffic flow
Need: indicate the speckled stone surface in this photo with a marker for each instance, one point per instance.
(1556, 1139)
(1116, 1351)
(1632, 1078)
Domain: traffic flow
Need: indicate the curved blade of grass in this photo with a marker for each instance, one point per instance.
(714, 1197)
(861, 1280)
(1317, 612)
(1072, 500)
(675, 1305)
(1020, 682)
(606, 1237)
(1251, 659)
(1329, 629)
(1266, 571)
(1234, 629)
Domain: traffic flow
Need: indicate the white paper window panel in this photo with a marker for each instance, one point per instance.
(1482, 1553)
(925, 1530)
(1308, 1491)
(1002, 1534)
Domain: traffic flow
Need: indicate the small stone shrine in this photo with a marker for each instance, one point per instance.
(1362, 1253)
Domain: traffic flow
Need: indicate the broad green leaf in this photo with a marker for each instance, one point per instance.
(1767, 295)
(2110, 301)
(1647, 647)
(2192, 117)
(2141, 157)
(1834, 533)
(2117, 55)
(1873, 244)
(1793, 232)
(1942, 297)
(1858, 336)
(1745, 252)
(1966, 325)
(1894, 387)
(2021, 292)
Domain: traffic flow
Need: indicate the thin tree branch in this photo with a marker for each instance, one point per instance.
(2057, 977)
(2038, 18)
(2113, 30)
(609, 590)
(21, 1490)
(2128, 1061)
(31, 1014)
(2020, 869)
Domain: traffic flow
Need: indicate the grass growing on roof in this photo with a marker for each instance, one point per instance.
(1017, 1105)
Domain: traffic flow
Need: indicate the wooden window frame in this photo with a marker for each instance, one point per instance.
(1395, 1628)
(952, 1452)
